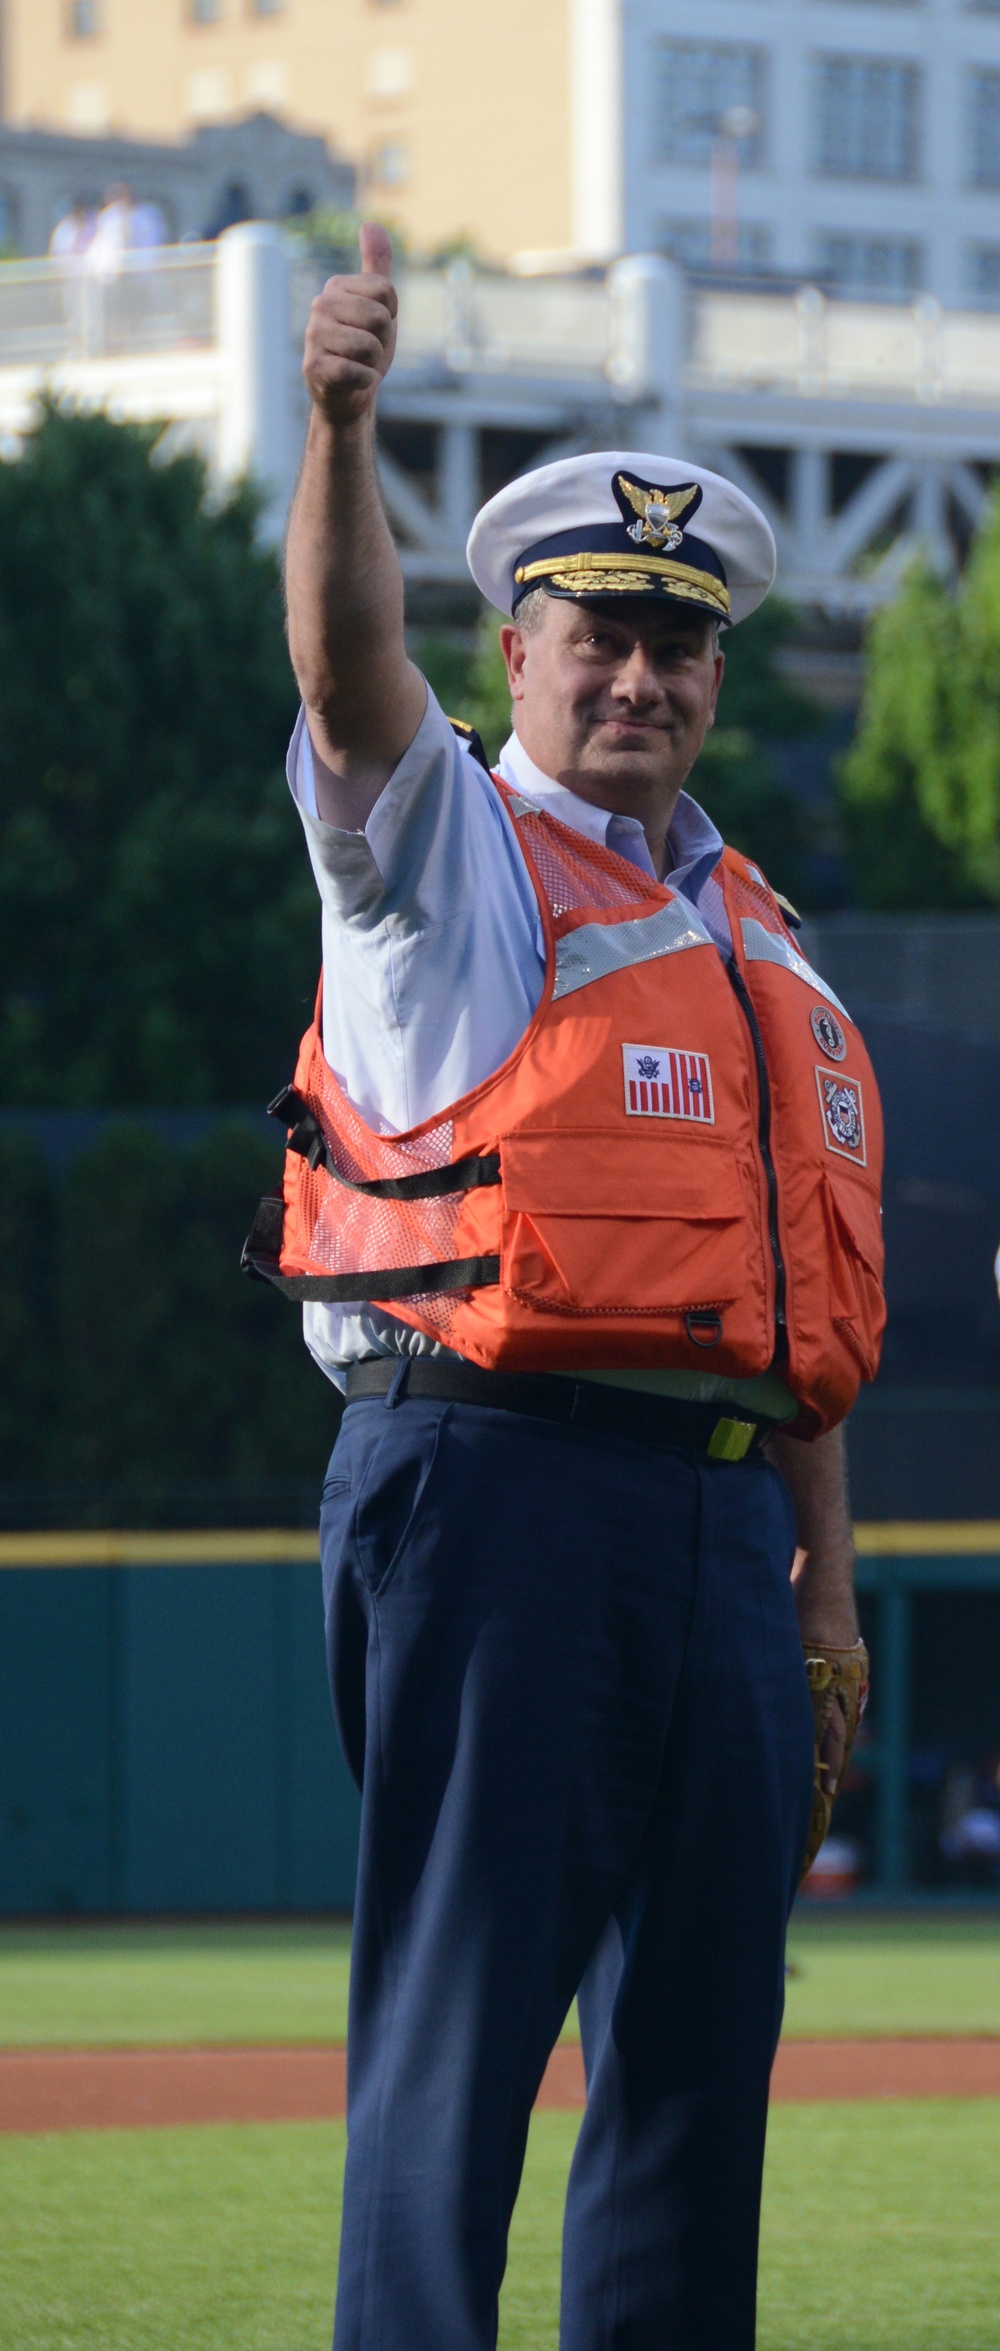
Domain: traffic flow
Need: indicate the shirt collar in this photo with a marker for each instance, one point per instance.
(695, 844)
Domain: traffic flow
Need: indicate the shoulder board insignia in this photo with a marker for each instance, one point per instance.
(791, 912)
(473, 742)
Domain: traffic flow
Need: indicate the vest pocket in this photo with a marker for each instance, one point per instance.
(856, 1259)
(600, 1224)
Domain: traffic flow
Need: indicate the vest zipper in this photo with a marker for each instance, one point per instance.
(764, 1139)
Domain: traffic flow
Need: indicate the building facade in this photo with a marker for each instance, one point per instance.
(225, 172)
(855, 142)
(455, 112)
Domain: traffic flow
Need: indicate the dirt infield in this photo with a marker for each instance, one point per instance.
(124, 2089)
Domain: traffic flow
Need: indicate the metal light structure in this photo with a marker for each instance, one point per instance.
(731, 130)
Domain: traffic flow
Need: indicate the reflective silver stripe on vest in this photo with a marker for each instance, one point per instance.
(601, 947)
(761, 946)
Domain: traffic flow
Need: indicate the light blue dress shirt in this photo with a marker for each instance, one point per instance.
(434, 961)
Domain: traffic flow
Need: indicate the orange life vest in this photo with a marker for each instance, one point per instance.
(677, 1167)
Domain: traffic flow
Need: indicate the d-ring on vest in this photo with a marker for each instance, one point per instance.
(678, 1166)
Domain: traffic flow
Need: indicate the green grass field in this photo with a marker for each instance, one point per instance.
(879, 2234)
(112, 1986)
(121, 1985)
(908, 1974)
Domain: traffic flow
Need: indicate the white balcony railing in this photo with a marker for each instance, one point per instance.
(52, 313)
(464, 322)
(848, 350)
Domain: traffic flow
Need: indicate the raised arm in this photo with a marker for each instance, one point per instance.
(364, 699)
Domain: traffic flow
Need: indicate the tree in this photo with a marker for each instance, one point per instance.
(158, 920)
(734, 775)
(174, 1366)
(921, 782)
(133, 1357)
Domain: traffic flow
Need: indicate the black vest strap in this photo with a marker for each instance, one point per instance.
(262, 1261)
(429, 1183)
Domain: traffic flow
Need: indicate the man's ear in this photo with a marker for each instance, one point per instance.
(720, 669)
(514, 646)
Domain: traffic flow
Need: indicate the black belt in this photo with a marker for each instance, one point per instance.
(721, 1433)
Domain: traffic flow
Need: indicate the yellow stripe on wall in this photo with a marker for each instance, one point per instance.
(215, 1547)
(245, 1547)
(958, 1538)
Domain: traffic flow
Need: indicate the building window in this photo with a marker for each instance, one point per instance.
(83, 20)
(697, 85)
(982, 144)
(690, 243)
(87, 107)
(389, 73)
(265, 7)
(209, 95)
(982, 276)
(204, 11)
(268, 84)
(867, 122)
(885, 269)
(389, 165)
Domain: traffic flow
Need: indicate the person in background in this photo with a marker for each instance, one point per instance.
(970, 1820)
(69, 246)
(147, 227)
(72, 234)
(112, 235)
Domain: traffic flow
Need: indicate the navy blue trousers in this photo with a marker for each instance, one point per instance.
(568, 1679)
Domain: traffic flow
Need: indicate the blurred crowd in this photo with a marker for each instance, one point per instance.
(97, 238)
(954, 1822)
(970, 1819)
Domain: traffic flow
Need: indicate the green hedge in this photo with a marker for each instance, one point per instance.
(134, 1357)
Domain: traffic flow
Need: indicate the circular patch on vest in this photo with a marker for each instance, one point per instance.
(828, 1033)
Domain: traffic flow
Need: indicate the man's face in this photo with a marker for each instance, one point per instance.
(614, 700)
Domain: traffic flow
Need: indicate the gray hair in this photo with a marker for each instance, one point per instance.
(531, 612)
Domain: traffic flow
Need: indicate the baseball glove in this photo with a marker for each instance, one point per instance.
(837, 1677)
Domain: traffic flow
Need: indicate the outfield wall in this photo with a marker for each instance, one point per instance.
(167, 1743)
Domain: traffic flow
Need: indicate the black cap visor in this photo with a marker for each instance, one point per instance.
(595, 563)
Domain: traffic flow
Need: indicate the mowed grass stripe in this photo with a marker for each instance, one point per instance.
(879, 2231)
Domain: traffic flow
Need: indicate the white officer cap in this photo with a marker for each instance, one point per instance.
(623, 523)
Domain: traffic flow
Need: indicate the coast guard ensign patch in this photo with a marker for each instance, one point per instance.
(662, 1081)
(843, 1115)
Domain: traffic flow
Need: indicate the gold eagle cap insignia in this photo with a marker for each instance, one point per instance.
(658, 512)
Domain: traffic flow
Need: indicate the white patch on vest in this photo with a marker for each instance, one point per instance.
(597, 948)
(843, 1115)
(665, 1081)
(762, 946)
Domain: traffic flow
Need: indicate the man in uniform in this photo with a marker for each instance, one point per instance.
(581, 1198)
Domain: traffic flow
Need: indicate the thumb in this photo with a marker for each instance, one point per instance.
(376, 250)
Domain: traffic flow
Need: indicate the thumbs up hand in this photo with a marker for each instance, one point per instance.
(351, 336)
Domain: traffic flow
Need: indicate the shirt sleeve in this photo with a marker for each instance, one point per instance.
(431, 942)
